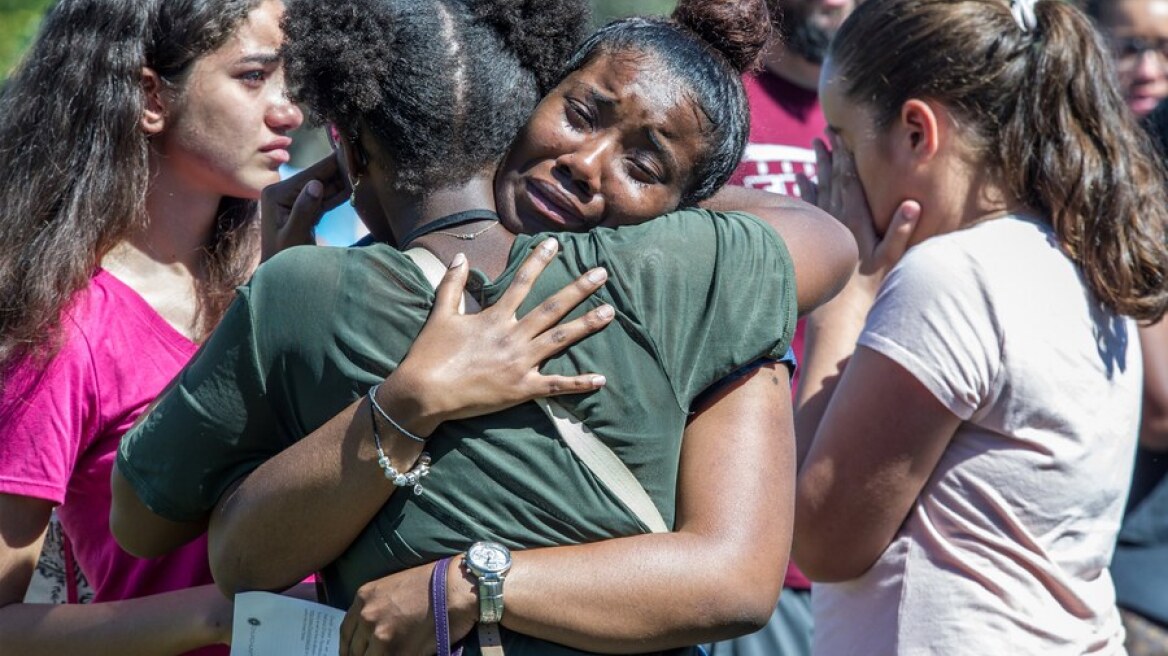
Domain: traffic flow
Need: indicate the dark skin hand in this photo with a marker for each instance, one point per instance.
(446, 375)
(289, 211)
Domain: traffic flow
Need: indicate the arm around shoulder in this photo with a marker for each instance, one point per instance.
(716, 576)
(822, 249)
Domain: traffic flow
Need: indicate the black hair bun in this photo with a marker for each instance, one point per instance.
(739, 29)
(541, 33)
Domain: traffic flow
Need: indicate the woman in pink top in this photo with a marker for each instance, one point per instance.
(970, 401)
(135, 136)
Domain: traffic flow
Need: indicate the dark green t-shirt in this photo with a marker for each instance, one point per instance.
(696, 294)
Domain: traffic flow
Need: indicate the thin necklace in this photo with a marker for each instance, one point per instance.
(438, 226)
(467, 236)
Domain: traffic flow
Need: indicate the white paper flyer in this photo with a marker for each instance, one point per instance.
(269, 624)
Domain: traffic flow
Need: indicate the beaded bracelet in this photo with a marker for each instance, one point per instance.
(389, 420)
(412, 478)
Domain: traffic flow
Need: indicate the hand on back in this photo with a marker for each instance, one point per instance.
(478, 363)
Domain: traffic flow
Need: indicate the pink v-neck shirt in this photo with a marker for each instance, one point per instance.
(59, 434)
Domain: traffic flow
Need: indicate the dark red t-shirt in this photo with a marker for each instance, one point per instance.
(784, 120)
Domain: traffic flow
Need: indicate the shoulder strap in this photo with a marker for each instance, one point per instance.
(605, 465)
(434, 270)
(596, 456)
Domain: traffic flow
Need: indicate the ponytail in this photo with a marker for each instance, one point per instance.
(1041, 107)
(1074, 151)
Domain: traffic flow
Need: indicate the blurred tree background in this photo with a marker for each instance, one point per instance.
(19, 20)
(605, 10)
(18, 23)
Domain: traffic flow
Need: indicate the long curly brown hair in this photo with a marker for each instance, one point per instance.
(75, 162)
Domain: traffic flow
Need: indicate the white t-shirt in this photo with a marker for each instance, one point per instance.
(1006, 549)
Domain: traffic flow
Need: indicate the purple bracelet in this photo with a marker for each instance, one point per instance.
(441, 611)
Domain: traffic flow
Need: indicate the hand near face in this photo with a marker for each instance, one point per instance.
(393, 615)
(290, 209)
(840, 194)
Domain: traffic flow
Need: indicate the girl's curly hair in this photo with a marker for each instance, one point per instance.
(417, 73)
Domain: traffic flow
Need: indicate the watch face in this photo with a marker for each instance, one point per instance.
(489, 557)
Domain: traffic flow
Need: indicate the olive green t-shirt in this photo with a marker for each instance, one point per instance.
(696, 294)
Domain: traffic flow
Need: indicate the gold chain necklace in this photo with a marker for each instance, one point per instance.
(466, 236)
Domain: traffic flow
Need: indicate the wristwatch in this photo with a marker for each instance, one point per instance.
(489, 562)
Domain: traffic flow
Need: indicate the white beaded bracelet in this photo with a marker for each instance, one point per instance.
(412, 478)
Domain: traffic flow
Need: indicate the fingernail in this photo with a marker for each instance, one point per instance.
(604, 312)
(314, 188)
(458, 261)
(597, 276)
(549, 246)
(599, 381)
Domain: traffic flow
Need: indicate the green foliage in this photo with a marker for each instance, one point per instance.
(23, 5)
(18, 23)
(606, 10)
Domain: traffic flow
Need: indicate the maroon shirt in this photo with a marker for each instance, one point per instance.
(784, 121)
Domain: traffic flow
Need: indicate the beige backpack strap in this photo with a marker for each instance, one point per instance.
(434, 270)
(605, 465)
(596, 456)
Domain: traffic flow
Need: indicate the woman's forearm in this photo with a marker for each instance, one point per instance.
(163, 624)
(644, 593)
(1154, 420)
(159, 625)
(718, 575)
(830, 339)
(298, 495)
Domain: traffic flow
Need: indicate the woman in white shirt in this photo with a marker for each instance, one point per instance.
(965, 466)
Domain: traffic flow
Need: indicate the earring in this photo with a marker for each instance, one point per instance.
(353, 195)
